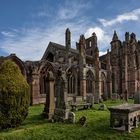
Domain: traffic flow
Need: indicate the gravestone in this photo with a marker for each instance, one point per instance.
(71, 117)
(82, 120)
(102, 107)
(115, 96)
(137, 98)
(90, 99)
(61, 105)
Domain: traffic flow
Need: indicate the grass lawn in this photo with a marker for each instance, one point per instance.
(97, 128)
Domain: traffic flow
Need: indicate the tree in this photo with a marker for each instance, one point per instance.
(14, 95)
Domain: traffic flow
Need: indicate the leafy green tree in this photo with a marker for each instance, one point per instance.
(14, 95)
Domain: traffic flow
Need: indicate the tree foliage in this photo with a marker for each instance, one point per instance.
(14, 95)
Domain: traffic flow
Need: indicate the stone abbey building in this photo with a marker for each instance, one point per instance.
(84, 73)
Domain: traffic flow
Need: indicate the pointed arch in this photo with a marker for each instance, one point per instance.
(19, 62)
(46, 74)
(71, 76)
(90, 82)
(46, 65)
(71, 84)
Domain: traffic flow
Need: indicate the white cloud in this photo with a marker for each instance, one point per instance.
(32, 43)
(99, 32)
(133, 16)
(72, 9)
(102, 53)
(67, 14)
(8, 34)
(102, 37)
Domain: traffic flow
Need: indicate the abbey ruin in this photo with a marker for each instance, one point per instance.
(84, 73)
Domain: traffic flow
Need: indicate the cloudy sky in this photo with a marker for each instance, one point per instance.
(27, 26)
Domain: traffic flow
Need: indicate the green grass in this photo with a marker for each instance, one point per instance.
(97, 128)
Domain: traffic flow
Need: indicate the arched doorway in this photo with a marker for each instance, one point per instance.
(44, 88)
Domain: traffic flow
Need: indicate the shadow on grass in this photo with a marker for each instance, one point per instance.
(34, 119)
(97, 127)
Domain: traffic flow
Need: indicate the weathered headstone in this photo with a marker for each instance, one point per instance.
(137, 98)
(82, 120)
(102, 107)
(61, 105)
(114, 96)
(90, 99)
(71, 117)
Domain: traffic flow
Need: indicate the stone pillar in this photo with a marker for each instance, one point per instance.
(83, 88)
(35, 89)
(126, 73)
(135, 79)
(138, 83)
(68, 45)
(109, 79)
(68, 39)
(132, 64)
(109, 89)
(50, 101)
(82, 63)
(82, 52)
(126, 95)
(100, 86)
(116, 79)
(97, 94)
(76, 85)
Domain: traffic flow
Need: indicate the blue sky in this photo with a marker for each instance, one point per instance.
(27, 26)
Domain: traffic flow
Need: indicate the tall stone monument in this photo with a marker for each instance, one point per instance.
(50, 99)
(61, 105)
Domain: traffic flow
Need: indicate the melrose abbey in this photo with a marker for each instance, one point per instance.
(81, 72)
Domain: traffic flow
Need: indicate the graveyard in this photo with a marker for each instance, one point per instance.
(69, 70)
(97, 126)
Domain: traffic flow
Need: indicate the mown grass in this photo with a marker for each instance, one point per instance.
(97, 127)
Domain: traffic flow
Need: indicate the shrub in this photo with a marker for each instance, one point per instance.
(14, 95)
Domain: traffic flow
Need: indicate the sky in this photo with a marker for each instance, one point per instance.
(27, 26)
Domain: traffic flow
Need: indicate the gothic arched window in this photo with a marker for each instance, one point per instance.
(89, 82)
(71, 84)
(103, 83)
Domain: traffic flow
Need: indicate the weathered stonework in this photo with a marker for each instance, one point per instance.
(50, 98)
(85, 72)
(125, 117)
